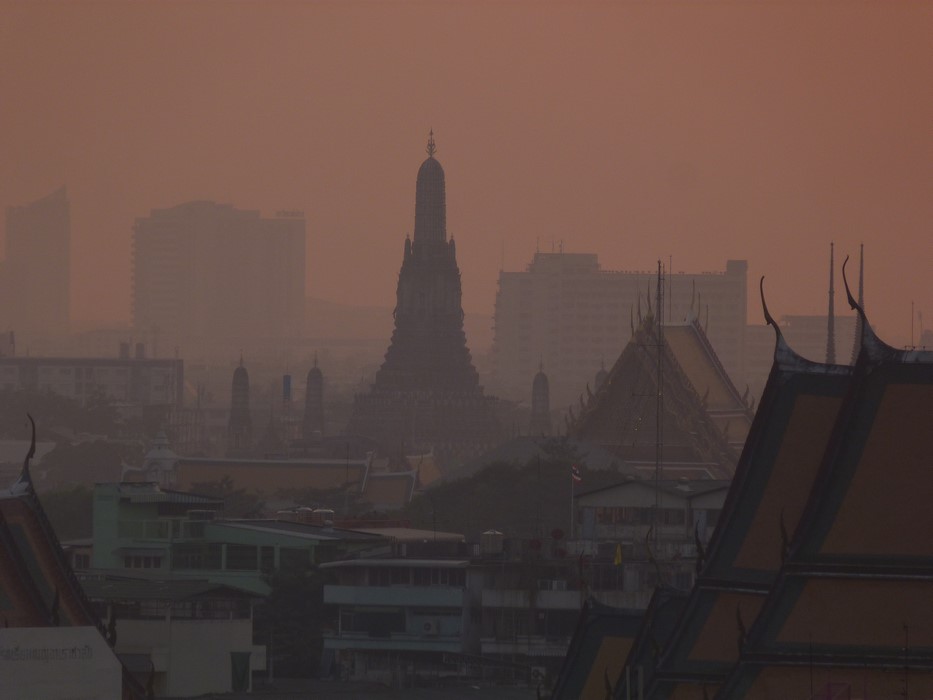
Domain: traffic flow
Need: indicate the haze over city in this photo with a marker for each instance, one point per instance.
(634, 130)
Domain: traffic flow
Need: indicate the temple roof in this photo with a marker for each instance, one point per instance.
(621, 416)
(818, 577)
(597, 651)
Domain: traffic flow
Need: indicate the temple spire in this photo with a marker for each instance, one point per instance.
(430, 200)
(830, 318)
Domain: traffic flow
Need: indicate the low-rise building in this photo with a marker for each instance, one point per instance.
(143, 526)
(180, 637)
(126, 381)
(650, 530)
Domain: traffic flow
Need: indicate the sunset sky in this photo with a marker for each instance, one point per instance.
(637, 130)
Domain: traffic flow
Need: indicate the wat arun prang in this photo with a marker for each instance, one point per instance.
(427, 395)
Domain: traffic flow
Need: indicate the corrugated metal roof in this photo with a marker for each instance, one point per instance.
(143, 589)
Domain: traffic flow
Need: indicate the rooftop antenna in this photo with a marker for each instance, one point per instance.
(659, 407)
(859, 321)
(830, 318)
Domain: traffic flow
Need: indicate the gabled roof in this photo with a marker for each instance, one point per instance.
(851, 601)
(654, 634)
(698, 360)
(773, 479)
(389, 490)
(622, 416)
(272, 475)
(597, 651)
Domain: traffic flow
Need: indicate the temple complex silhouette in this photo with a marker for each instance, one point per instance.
(426, 395)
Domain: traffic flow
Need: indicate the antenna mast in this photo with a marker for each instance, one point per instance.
(660, 406)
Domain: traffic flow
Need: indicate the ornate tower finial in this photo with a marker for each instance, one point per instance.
(431, 149)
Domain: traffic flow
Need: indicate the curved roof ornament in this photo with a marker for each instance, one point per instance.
(872, 347)
(769, 319)
(24, 482)
(432, 148)
(784, 356)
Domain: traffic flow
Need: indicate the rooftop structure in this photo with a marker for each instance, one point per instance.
(142, 526)
(703, 418)
(814, 584)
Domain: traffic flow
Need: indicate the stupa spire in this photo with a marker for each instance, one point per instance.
(430, 200)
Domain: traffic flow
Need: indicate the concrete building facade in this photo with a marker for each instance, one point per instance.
(36, 274)
(208, 273)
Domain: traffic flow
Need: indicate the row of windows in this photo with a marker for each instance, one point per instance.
(402, 576)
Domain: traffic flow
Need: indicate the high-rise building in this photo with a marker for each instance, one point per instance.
(37, 269)
(427, 395)
(566, 311)
(208, 273)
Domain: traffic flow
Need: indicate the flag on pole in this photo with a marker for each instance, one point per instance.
(575, 474)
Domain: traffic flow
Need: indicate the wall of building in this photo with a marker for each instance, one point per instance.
(206, 273)
(152, 382)
(58, 663)
(194, 655)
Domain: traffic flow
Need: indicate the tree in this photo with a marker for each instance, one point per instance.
(71, 511)
(290, 621)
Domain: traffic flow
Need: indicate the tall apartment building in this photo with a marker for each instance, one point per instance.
(206, 273)
(36, 274)
(567, 313)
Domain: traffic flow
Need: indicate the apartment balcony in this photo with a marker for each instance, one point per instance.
(399, 596)
(540, 599)
(395, 641)
(526, 645)
(632, 600)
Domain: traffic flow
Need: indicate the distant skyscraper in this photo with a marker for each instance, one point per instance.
(37, 269)
(568, 311)
(240, 426)
(540, 405)
(206, 272)
(427, 393)
(314, 403)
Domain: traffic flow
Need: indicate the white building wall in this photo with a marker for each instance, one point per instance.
(58, 663)
(194, 655)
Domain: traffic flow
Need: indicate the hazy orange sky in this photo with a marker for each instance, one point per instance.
(637, 130)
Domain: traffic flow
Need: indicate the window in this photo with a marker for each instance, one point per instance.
(241, 557)
(266, 559)
(290, 558)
